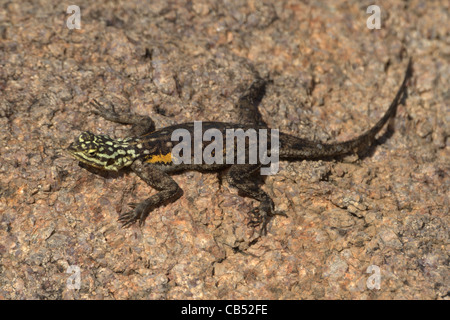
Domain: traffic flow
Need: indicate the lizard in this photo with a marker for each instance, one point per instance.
(148, 152)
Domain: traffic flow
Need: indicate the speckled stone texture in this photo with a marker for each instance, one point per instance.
(181, 61)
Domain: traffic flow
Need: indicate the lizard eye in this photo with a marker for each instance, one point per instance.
(92, 152)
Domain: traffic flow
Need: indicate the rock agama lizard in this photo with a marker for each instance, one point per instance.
(148, 153)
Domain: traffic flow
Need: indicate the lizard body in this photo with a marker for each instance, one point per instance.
(148, 152)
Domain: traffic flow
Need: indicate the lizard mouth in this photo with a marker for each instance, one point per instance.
(76, 154)
(71, 150)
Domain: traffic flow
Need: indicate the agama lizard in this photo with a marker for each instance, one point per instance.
(148, 153)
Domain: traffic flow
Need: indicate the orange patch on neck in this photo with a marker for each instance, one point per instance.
(166, 158)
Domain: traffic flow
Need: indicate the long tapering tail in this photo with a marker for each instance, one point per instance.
(293, 147)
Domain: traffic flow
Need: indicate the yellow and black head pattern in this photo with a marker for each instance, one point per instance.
(103, 152)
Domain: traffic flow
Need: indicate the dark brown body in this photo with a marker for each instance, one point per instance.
(150, 152)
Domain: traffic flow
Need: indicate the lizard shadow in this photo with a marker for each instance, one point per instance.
(388, 133)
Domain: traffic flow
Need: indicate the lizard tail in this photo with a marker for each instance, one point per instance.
(303, 149)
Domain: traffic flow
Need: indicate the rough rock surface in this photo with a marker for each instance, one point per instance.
(180, 61)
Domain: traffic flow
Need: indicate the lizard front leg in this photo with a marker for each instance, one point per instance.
(168, 190)
(141, 124)
(241, 176)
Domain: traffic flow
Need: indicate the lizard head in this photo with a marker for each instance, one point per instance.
(100, 151)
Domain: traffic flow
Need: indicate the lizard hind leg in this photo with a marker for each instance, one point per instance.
(241, 176)
(247, 105)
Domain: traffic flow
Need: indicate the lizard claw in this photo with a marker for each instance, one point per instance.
(133, 205)
(131, 217)
(127, 219)
(260, 216)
